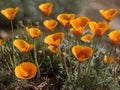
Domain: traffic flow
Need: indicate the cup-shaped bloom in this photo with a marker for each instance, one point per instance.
(82, 53)
(50, 24)
(22, 46)
(98, 28)
(65, 18)
(109, 14)
(2, 41)
(54, 39)
(80, 22)
(114, 36)
(77, 32)
(108, 60)
(53, 49)
(33, 32)
(87, 38)
(25, 70)
(10, 13)
(46, 8)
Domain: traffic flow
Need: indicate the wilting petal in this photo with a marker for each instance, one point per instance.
(10, 13)
(46, 8)
(54, 39)
(2, 41)
(108, 60)
(77, 32)
(82, 53)
(115, 37)
(53, 49)
(33, 32)
(50, 24)
(98, 28)
(87, 38)
(109, 14)
(80, 22)
(25, 70)
(65, 18)
(22, 46)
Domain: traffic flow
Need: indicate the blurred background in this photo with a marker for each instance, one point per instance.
(29, 11)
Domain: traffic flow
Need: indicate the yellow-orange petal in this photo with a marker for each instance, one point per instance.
(98, 28)
(87, 38)
(109, 14)
(77, 32)
(50, 24)
(22, 46)
(46, 8)
(10, 13)
(54, 39)
(114, 36)
(108, 60)
(25, 70)
(2, 41)
(53, 49)
(33, 32)
(82, 53)
(65, 18)
(79, 22)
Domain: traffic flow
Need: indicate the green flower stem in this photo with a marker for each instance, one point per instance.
(13, 52)
(90, 60)
(35, 57)
(79, 70)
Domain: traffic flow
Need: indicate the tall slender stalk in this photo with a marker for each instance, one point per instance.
(13, 52)
(35, 57)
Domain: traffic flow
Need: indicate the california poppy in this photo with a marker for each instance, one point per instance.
(77, 32)
(98, 28)
(2, 41)
(82, 53)
(80, 22)
(25, 70)
(54, 39)
(22, 46)
(108, 59)
(87, 38)
(53, 49)
(50, 24)
(109, 14)
(33, 32)
(10, 13)
(65, 18)
(115, 37)
(46, 8)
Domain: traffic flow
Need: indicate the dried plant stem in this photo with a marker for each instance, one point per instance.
(35, 57)
(13, 52)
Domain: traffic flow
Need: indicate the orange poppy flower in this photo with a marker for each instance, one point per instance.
(65, 18)
(50, 24)
(108, 60)
(53, 49)
(33, 32)
(10, 13)
(115, 37)
(46, 8)
(25, 70)
(109, 14)
(87, 38)
(77, 32)
(22, 46)
(98, 28)
(2, 41)
(80, 22)
(54, 39)
(82, 53)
